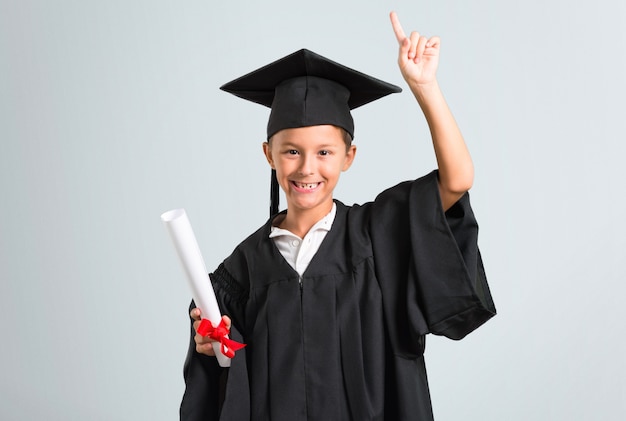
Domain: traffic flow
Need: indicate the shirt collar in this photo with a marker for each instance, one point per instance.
(325, 224)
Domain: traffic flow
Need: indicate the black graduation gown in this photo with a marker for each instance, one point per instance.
(347, 342)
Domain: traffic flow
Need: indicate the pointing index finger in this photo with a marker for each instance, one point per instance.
(397, 28)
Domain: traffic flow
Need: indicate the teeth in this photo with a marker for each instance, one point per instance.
(307, 186)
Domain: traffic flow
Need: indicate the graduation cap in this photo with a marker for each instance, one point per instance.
(305, 89)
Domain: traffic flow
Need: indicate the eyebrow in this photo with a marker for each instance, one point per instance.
(325, 145)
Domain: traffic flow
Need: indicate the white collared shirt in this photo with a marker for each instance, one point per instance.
(297, 251)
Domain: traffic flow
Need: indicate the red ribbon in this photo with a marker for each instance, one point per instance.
(219, 333)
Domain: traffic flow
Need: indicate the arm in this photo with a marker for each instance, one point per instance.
(418, 60)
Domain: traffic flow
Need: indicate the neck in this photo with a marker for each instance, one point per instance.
(300, 222)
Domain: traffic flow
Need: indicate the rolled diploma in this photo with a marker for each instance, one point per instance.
(178, 225)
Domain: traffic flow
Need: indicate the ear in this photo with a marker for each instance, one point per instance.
(350, 154)
(267, 151)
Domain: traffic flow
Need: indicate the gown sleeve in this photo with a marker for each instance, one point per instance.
(428, 264)
(207, 384)
(204, 384)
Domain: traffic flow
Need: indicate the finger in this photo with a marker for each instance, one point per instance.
(227, 321)
(432, 45)
(415, 36)
(206, 349)
(433, 42)
(201, 340)
(397, 28)
(419, 48)
(405, 46)
(195, 313)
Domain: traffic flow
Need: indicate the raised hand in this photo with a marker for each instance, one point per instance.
(418, 60)
(418, 57)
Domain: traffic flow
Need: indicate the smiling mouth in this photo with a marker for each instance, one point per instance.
(305, 186)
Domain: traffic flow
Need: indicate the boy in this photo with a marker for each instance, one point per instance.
(334, 301)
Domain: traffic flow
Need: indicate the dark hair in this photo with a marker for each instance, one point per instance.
(347, 139)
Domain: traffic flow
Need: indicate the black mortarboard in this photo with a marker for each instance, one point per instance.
(305, 89)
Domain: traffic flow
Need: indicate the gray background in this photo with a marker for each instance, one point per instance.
(110, 114)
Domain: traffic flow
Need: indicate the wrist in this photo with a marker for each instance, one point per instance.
(424, 91)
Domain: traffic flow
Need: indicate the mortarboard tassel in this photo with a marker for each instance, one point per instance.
(274, 194)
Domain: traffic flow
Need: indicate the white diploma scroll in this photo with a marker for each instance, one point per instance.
(184, 240)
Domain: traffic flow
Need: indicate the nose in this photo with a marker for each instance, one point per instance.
(307, 165)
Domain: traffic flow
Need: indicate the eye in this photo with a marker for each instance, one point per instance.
(324, 152)
(292, 152)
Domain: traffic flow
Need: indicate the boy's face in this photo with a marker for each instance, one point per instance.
(308, 162)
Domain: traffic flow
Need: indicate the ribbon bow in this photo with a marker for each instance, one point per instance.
(220, 333)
